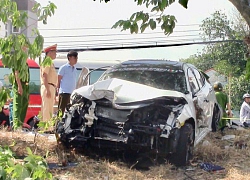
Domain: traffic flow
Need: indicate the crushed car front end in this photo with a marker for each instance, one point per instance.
(145, 122)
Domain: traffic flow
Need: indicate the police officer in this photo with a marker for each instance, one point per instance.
(48, 76)
(223, 101)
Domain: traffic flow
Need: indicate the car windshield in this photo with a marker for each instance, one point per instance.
(161, 78)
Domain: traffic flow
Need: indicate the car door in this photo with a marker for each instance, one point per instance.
(200, 94)
(82, 79)
(207, 90)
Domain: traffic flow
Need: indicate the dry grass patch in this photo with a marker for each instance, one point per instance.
(225, 153)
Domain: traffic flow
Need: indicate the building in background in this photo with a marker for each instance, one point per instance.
(31, 22)
(215, 76)
(2, 30)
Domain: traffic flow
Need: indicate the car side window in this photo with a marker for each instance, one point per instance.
(199, 77)
(192, 81)
(202, 79)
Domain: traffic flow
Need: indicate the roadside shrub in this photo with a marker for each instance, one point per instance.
(33, 166)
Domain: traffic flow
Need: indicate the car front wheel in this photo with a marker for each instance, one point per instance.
(185, 146)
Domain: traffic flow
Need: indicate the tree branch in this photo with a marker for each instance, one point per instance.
(243, 7)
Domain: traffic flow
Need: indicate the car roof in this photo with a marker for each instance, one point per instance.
(31, 63)
(152, 63)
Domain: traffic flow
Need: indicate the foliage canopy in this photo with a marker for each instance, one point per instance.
(16, 48)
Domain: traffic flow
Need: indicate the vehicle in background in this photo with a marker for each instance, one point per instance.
(34, 99)
(97, 67)
(88, 71)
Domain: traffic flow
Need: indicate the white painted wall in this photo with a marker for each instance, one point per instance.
(2, 30)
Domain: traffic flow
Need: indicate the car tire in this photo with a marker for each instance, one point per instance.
(185, 146)
(32, 124)
(216, 118)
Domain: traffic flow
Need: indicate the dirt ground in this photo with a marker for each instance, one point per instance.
(230, 151)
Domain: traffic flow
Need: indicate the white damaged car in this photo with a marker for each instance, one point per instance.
(158, 107)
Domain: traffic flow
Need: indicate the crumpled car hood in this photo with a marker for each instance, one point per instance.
(121, 91)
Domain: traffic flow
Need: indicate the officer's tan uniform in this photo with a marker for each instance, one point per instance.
(47, 105)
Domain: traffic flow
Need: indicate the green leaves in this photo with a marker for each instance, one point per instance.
(46, 62)
(43, 126)
(238, 87)
(183, 3)
(16, 48)
(216, 27)
(226, 68)
(168, 24)
(2, 173)
(139, 2)
(9, 12)
(227, 58)
(33, 166)
(142, 21)
(134, 28)
(4, 96)
(44, 12)
(162, 5)
(35, 49)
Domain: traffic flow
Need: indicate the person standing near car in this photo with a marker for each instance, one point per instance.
(222, 99)
(67, 75)
(48, 84)
(20, 92)
(245, 111)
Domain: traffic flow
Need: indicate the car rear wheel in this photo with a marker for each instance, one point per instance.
(185, 146)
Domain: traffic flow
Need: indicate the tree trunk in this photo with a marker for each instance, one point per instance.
(243, 6)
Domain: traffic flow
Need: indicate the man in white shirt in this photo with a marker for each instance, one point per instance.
(67, 75)
(245, 111)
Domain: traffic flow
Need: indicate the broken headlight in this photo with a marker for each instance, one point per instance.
(76, 98)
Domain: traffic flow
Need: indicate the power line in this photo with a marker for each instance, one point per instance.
(128, 43)
(103, 40)
(107, 35)
(94, 28)
(144, 46)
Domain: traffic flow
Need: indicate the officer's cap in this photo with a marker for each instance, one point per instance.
(50, 48)
(218, 86)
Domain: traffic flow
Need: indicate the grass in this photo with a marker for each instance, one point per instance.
(226, 153)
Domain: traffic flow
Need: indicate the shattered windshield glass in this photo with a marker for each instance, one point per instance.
(161, 78)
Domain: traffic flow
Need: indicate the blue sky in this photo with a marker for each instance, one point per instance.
(79, 17)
